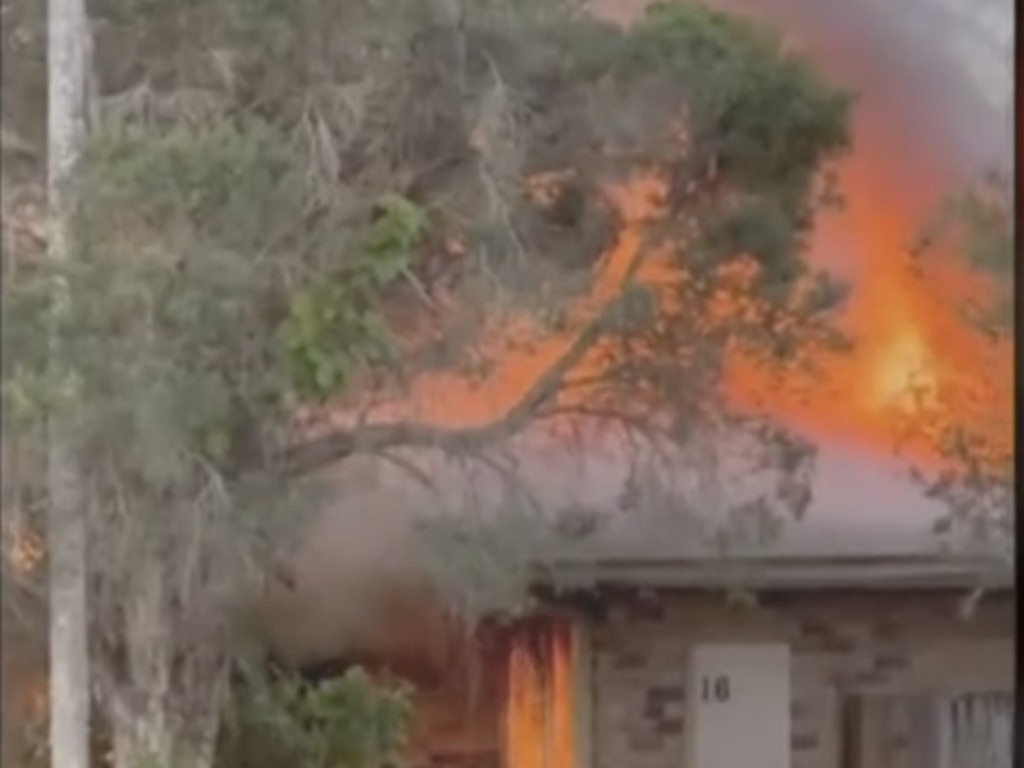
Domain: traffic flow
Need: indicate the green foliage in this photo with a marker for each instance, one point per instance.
(767, 112)
(188, 328)
(763, 115)
(335, 326)
(345, 722)
(228, 180)
(196, 248)
(267, 279)
(969, 424)
(745, 133)
(243, 226)
(977, 224)
(231, 261)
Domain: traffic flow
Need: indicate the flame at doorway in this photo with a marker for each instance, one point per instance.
(540, 703)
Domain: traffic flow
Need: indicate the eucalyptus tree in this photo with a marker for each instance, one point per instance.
(296, 213)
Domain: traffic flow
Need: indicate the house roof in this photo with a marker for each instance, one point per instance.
(791, 574)
(868, 521)
(363, 577)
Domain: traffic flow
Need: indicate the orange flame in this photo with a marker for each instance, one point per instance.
(539, 731)
(910, 340)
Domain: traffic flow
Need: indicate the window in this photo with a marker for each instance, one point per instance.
(939, 731)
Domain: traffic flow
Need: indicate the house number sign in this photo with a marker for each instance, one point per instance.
(715, 688)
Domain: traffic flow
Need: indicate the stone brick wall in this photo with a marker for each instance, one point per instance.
(841, 643)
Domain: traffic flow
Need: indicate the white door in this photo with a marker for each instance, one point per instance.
(740, 706)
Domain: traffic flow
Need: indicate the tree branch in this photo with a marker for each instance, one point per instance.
(308, 456)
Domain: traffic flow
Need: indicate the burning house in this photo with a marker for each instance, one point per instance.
(559, 625)
(855, 637)
(655, 636)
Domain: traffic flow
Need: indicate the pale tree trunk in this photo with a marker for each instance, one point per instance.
(167, 711)
(140, 716)
(158, 737)
(67, 47)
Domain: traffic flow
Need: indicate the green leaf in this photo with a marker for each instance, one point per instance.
(217, 443)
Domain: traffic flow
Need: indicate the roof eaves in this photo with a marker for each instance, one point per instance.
(876, 573)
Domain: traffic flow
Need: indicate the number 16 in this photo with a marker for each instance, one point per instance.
(715, 688)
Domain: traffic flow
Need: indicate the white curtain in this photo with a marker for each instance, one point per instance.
(975, 731)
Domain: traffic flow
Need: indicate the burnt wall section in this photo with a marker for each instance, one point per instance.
(842, 645)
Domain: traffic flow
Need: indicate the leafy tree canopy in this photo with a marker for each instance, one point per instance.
(267, 204)
(970, 418)
(290, 208)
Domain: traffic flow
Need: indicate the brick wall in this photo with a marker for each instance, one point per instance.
(840, 643)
